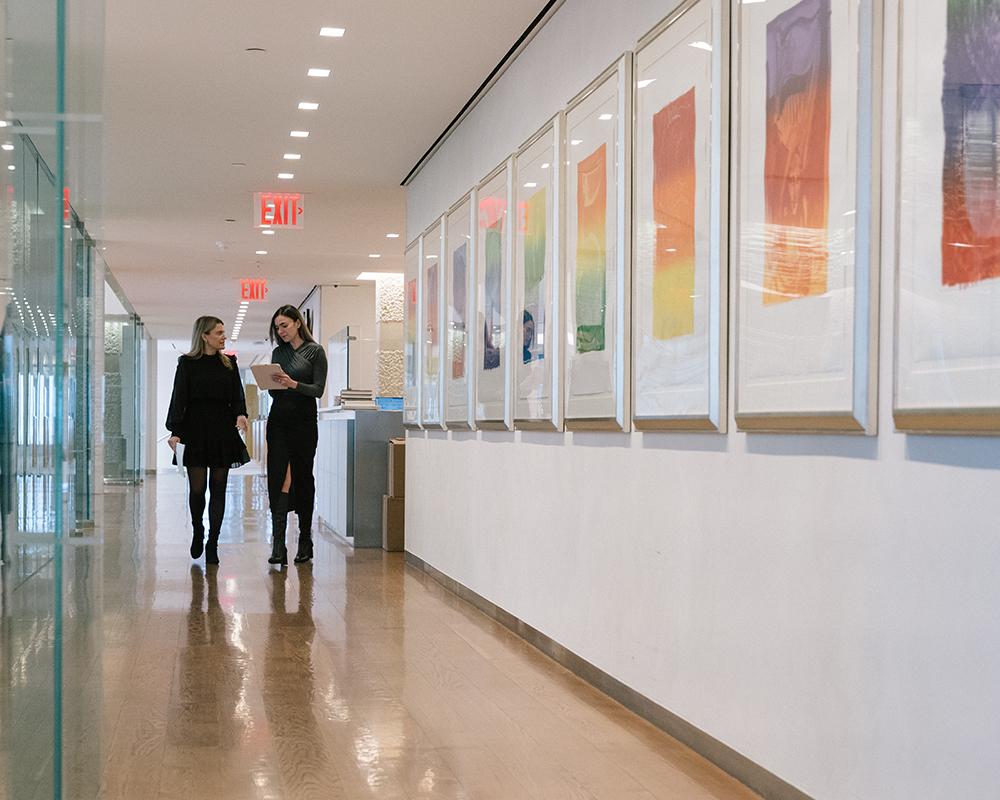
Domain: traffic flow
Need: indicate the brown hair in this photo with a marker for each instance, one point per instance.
(203, 326)
(295, 316)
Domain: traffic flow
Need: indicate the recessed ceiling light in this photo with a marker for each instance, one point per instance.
(645, 83)
(431, 257)
(545, 165)
(317, 72)
(3, 123)
(286, 176)
(701, 46)
(378, 276)
(606, 117)
(392, 236)
(336, 32)
(267, 232)
(299, 134)
(307, 106)
(575, 142)
(374, 255)
(292, 156)
(262, 252)
(7, 146)
(11, 167)
(530, 185)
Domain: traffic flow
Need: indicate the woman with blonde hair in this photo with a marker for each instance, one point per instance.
(206, 408)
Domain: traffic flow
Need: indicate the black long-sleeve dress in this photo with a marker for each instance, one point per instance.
(292, 432)
(207, 399)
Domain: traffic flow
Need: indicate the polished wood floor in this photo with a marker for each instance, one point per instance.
(354, 677)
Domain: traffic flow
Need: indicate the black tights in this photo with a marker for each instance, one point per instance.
(198, 482)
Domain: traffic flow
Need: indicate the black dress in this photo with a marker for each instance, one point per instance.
(292, 432)
(207, 399)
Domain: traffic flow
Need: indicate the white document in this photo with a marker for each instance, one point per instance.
(179, 452)
(262, 374)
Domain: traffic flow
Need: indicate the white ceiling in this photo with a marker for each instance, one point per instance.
(183, 100)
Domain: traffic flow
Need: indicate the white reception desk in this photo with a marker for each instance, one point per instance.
(351, 472)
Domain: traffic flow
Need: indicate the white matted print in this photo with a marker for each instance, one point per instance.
(493, 299)
(432, 315)
(411, 336)
(807, 178)
(598, 199)
(948, 269)
(679, 285)
(460, 229)
(536, 260)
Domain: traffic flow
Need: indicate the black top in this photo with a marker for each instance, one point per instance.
(307, 366)
(201, 384)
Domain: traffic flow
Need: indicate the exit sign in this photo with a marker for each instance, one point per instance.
(278, 210)
(253, 289)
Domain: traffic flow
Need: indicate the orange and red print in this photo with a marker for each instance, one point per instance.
(796, 158)
(674, 185)
(970, 233)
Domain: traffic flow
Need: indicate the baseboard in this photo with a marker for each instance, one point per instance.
(766, 784)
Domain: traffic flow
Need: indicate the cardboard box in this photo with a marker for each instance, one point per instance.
(397, 468)
(392, 523)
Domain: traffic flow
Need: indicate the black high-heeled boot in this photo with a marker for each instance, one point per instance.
(212, 548)
(197, 540)
(305, 551)
(279, 522)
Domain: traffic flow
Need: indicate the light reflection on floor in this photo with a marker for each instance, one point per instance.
(354, 677)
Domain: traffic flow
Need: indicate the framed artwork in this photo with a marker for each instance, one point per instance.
(598, 252)
(807, 206)
(493, 299)
(947, 366)
(460, 247)
(680, 221)
(411, 339)
(432, 316)
(537, 284)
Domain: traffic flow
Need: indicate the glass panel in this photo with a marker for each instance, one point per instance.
(50, 69)
(123, 349)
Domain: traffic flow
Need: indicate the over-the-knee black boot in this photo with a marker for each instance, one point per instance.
(279, 521)
(212, 548)
(197, 539)
(305, 551)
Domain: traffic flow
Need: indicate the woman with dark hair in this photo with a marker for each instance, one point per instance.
(292, 431)
(206, 408)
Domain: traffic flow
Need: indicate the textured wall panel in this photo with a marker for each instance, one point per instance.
(389, 299)
(390, 373)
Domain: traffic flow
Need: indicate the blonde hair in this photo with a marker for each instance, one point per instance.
(203, 326)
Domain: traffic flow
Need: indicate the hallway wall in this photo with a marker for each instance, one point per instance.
(826, 606)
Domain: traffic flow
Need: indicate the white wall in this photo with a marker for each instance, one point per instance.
(355, 306)
(827, 606)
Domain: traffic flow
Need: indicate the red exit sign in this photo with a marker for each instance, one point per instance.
(253, 289)
(278, 210)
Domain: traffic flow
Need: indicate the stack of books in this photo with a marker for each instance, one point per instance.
(357, 398)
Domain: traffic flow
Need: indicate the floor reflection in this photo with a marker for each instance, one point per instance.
(290, 685)
(352, 677)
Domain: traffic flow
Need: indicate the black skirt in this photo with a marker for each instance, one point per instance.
(210, 437)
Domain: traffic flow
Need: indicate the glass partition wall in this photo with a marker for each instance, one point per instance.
(124, 358)
(50, 68)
